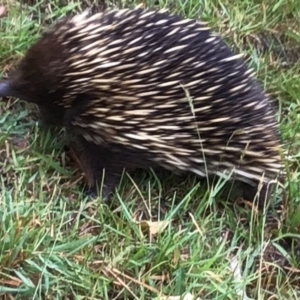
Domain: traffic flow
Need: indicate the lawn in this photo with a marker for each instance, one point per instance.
(154, 239)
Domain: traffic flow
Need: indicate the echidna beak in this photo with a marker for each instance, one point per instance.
(5, 88)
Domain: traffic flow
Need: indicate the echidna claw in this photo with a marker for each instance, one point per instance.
(90, 193)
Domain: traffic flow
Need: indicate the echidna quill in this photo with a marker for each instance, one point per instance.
(140, 88)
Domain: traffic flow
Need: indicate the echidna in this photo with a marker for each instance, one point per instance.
(139, 88)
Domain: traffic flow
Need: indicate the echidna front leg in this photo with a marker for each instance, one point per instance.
(98, 165)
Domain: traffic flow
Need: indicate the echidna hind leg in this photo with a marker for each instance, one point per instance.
(260, 194)
(98, 166)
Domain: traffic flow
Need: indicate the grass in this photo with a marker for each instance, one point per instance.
(153, 239)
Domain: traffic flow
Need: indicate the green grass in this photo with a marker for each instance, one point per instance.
(55, 243)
